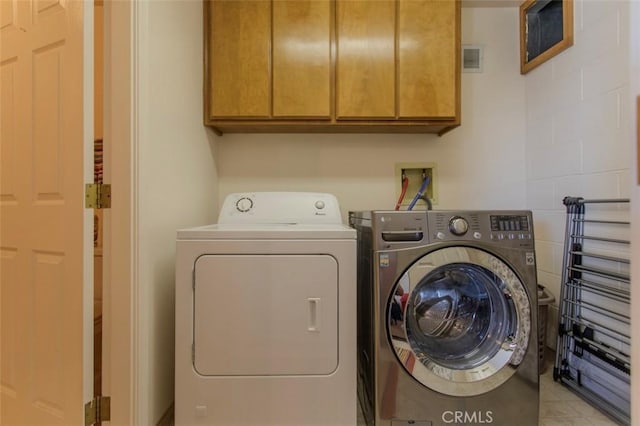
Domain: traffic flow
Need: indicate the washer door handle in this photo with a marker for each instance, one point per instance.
(314, 319)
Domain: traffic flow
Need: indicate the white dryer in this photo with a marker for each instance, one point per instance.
(265, 314)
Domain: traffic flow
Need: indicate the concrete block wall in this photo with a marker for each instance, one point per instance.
(577, 130)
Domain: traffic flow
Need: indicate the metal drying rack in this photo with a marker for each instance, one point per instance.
(592, 353)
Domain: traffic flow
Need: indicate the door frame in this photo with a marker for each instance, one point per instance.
(120, 226)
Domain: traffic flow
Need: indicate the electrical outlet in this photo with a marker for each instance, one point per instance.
(415, 172)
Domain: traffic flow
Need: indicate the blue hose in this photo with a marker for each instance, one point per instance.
(423, 187)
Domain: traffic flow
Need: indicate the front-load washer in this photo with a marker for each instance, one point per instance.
(265, 314)
(447, 317)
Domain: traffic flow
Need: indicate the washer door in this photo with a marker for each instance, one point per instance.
(459, 320)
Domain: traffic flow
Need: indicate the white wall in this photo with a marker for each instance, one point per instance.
(176, 158)
(577, 130)
(479, 164)
(176, 181)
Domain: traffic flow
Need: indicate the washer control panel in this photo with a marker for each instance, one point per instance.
(404, 229)
(280, 208)
(512, 227)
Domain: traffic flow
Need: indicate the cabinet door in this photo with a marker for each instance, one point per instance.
(302, 58)
(365, 82)
(427, 66)
(238, 56)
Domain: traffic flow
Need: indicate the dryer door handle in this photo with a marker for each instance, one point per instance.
(314, 317)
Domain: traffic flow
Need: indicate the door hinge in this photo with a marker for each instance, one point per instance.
(97, 196)
(97, 410)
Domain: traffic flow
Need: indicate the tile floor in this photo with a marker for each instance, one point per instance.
(561, 407)
(558, 405)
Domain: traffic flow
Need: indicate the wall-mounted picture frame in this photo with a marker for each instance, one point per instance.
(546, 29)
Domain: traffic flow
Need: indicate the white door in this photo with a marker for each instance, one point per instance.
(45, 233)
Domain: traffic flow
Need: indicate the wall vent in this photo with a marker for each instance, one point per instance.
(472, 58)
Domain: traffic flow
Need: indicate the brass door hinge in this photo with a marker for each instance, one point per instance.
(98, 410)
(97, 196)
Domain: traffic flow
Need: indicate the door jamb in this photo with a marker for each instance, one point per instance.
(120, 267)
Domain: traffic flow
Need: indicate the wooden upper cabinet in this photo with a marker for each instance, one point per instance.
(427, 59)
(302, 58)
(397, 59)
(269, 59)
(332, 65)
(239, 58)
(365, 64)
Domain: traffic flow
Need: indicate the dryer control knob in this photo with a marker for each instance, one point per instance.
(244, 204)
(458, 225)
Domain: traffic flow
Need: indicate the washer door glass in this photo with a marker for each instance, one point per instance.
(459, 321)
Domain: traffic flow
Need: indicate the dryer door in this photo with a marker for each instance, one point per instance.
(265, 315)
(459, 321)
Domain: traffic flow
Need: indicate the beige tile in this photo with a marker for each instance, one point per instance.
(558, 409)
(560, 406)
(561, 422)
(554, 391)
(586, 410)
(604, 421)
